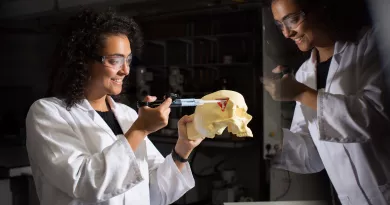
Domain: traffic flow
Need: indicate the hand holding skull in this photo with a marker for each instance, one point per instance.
(184, 145)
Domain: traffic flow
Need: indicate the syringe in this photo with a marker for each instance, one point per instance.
(186, 102)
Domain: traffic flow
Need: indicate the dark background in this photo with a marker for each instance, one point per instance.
(214, 44)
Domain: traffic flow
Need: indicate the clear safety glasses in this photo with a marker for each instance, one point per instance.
(115, 62)
(291, 21)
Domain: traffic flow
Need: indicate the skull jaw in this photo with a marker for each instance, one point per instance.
(236, 126)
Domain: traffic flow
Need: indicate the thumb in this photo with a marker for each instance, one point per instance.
(184, 120)
(166, 103)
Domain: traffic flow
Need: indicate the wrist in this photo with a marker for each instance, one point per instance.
(304, 91)
(138, 128)
(182, 151)
(135, 136)
(308, 98)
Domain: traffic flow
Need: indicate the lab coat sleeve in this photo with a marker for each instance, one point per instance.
(298, 153)
(359, 117)
(53, 147)
(167, 182)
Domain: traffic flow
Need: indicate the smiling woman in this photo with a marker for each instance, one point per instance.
(86, 148)
(340, 123)
(107, 74)
(320, 22)
(86, 55)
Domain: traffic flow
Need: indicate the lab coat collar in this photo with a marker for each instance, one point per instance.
(119, 113)
(312, 62)
(338, 50)
(86, 106)
(112, 103)
(334, 65)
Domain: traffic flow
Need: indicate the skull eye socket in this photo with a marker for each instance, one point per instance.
(223, 104)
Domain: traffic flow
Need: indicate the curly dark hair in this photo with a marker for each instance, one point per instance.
(83, 35)
(342, 19)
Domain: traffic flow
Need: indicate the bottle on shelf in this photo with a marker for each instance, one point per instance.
(224, 84)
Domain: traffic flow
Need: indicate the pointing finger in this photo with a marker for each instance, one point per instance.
(150, 98)
(278, 69)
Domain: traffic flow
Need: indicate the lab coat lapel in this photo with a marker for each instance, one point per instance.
(335, 64)
(86, 106)
(121, 115)
(310, 71)
(126, 120)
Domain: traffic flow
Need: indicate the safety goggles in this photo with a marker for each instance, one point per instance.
(115, 62)
(291, 21)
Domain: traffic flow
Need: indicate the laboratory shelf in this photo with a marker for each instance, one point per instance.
(189, 39)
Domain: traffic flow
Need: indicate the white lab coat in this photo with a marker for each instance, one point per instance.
(76, 159)
(349, 134)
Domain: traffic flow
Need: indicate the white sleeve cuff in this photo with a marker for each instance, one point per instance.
(298, 154)
(185, 175)
(123, 141)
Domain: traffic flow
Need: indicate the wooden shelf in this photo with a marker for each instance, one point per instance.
(222, 64)
(207, 142)
(195, 93)
(204, 65)
(190, 39)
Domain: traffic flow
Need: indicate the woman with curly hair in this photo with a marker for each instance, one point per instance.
(85, 148)
(340, 122)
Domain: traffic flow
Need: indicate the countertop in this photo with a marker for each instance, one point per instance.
(13, 161)
(279, 203)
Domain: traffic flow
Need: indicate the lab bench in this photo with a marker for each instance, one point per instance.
(16, 181)
(280, 203)
(207, 142)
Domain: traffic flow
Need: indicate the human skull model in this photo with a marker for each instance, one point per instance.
(212, 119)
